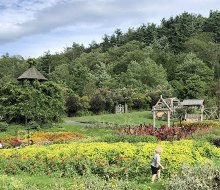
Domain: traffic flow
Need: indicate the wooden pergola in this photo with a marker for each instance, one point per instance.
(165, 106)
(194, 103)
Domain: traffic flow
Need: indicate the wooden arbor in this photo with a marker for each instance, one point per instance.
(197, 104)
(165, 106)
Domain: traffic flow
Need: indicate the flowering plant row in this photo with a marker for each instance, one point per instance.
(164, 132)
(119, 160)
(57, 137)
(42, 138)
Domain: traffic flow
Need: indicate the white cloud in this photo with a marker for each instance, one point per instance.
(22, 20)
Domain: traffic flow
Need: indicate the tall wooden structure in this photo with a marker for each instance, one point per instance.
(31, 74)
(165, 106)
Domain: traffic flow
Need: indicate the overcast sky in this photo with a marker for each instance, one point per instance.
(31, 27)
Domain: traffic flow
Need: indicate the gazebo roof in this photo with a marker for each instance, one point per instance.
(32, 73)
(192, 102)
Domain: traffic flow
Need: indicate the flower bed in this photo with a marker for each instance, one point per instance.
(164, 132)
(55, 137)
(43, 138)
(119, 160)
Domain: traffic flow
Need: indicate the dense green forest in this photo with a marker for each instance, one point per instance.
(180, 57)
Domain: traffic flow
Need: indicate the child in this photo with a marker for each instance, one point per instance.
(156, 165)
(1, 145)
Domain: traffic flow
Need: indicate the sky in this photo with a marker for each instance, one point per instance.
(31, 27)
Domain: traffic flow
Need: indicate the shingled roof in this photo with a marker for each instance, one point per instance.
(31, 74)
(192, 102)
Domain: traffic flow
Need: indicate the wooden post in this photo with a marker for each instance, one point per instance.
(168, 118)
(154, 118)
(126, 108)
(202, 110)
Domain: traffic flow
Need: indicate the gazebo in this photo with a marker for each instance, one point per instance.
(31, 74)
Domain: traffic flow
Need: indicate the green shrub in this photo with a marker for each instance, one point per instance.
(216, 142)
(202, 177)
(34, 125)
(128, 138)
(3, 126)
(93, 182)
(200, 123)
(11, 183)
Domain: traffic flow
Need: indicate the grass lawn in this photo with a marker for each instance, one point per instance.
(46, 182)
(87, 130)
(132, 118)
(12, 130)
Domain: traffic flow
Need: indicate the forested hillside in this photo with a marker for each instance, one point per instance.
(180, 57)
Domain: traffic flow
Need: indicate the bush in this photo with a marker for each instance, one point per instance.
(3, 126)
(199, 123)
(216, 142)
(164, 132)
(92, 182)
(128, 138)
(97, 103)
(202, 177)
(34, 125)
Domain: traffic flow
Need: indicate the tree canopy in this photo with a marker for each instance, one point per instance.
(179, 57)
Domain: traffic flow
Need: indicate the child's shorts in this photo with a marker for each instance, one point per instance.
(154, 169)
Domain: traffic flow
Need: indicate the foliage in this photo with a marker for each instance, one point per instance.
(76, 104)
(196, 76)
(42, 103)
(55, 137)
(3, 126)
(114, 120)
(41, 138)
(127, 138)
(76, 182)
(97, 103)
(91, 182)
(164, 132)
(118, 160)
(204, 177)
(178, 57)
(216, 142)
(200, 123)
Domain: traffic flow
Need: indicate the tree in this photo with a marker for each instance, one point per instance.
(180, 28)
(45, 63)
(212, 24)
(42, 103)
(195, 77)
(205, 48)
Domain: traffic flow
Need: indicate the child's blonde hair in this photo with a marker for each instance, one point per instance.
(158, 149)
